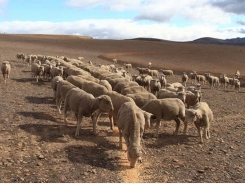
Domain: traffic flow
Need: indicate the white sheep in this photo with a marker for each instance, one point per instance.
(164, 93)
(237, 74)
(201, 115)
(131, 121)
(155, 86)
(167, 72)
(167, 109)
(236, 83)
(213, 80)
(20, 56)
(133, 89)
(85, 104)
(37, 70)
(106, 84)
(141, 99)
(5, 69)
(192, 97)
(163, 81)
(128, 66)
(62, 89)
(142, 70)
(184, 79)
(120, 85)
(54, 83)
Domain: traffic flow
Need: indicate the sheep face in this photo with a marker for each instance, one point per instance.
(134, 154)
(148, 117)
(105, 103)
(190, 116)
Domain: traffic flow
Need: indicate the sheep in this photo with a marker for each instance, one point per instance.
(237, 74)
(37, 70)
(62, 89)
(56, 71)
(106, 84)
(114, 61)
(236, 83)
(80, 58)
(117, 101)
(213, 80)
(5, 69)
(141, 99)
(20, 56)
(167, 72)
(164, 93)
(155, 86)
(201, 78)
(120, 85)
(192, 98)
(224, 80)
(133, 89)
(202, 116)
(142, 70)
(163, 81)
(127, 75)
(153, 73)
(131, 124)
(41, 58)
(85, 104)
(128, 66)
(175, 87)
(145, 81)
(90, 87)
(167, 109)
(184, 79)
(54, 83)
(137, 78)
(192, 76)
(47, 69)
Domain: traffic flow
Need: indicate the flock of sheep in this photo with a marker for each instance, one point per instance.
(131, 102)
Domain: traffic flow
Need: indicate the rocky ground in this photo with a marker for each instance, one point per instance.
(36, 146)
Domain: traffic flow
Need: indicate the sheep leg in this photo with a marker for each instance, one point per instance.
(157, 127)
(59, 105)
(95, 118)
(199, 131)
(185, 127)
(79, 120)
(120, 139)
(177, 126)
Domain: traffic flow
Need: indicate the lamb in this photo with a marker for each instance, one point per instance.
(202, 116)
(54, 83)
(167, 72)
(155, 86)
(5, 68)
(37, 70)
(85, 104)
(133, 89)
(167, 109)
(131, 124)
(141, 99)
(164, 93)
(62, 89)
(192, 76)
(184, 79)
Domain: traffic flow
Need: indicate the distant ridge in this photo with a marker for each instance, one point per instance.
(204, 40)
(209, 40)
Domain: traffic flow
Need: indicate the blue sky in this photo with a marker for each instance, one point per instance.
(176, 20)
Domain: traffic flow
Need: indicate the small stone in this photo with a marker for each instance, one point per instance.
(40, 156)
(94, 171)
(85, 173)
(26, 170)
(39, 164)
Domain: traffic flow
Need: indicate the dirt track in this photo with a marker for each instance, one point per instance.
(37, 147)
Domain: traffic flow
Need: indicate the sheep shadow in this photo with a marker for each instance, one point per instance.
(38, 115)
(24, 80)
(166, 139)
(95, 156)
(40, 100)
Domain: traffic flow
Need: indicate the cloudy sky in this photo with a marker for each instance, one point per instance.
(176, 20)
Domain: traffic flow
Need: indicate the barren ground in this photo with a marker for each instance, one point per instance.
(36, 146)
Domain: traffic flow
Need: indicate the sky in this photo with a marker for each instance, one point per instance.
(175, 20)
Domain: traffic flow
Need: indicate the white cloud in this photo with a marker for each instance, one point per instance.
(120, 29)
